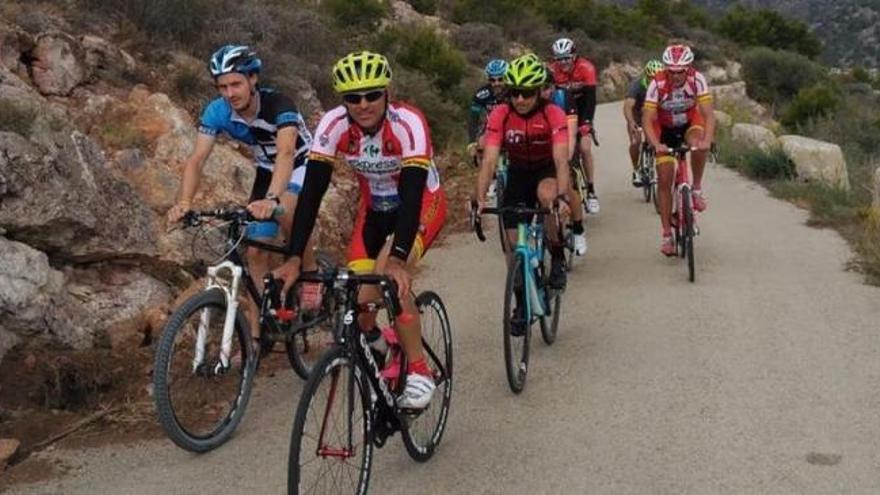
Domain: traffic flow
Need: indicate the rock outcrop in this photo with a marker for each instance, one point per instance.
(752, 135)
(816, 160)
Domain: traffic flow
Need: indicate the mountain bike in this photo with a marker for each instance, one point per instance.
(206, 361)
(349, 403)
(527, 287)
(684, 223)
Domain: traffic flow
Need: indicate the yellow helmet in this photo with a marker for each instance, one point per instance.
(361, 70)
(526, 72)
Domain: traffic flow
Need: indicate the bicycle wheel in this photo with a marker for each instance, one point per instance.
(331, 450)
(500, 185)
(554, 302)
(516, 348)
(200, 407)
(688, 234)
(305, 347)
(423, 432)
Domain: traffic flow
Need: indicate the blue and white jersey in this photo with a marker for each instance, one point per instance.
(275, 111)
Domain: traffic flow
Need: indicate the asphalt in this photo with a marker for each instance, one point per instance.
(761, 377)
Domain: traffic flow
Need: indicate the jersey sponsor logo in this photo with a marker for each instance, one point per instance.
(374, 166)
(371, 150)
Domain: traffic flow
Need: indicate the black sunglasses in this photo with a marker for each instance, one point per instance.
(495, 79)
(524, 93)
(355, 98)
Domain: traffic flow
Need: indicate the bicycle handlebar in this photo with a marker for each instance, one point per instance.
(238, 214)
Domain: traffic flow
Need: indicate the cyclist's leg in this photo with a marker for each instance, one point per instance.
(694, 134)
(635, 143)
(546, 195)
(672, 138)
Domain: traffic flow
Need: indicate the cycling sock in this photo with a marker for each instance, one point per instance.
(577, 227)
(667, 232)
(590, 188)
(420, 367)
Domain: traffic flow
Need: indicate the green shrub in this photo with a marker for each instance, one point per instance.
(446, 118)
(16, 118)
(480, 42)
(183, 21)
(361, 14)
(424, 50)
(811, 103)
(768, 28)
(428, 7)
(776, 76)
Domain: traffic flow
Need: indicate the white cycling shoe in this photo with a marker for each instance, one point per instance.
(418, 392)
(592, 203)
(580, 244)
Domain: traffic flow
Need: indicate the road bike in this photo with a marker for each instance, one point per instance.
(528, 296)
(684, 218)
(349, 403)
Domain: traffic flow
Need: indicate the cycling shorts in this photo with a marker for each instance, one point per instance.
(522, 189)
(372, 229)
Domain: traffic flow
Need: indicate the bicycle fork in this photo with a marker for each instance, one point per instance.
(229, 285)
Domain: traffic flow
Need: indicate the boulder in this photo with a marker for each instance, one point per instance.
(14, 43)
(8, 449)
(733, 98)
(402, 14)
(58, 64)
(615, 79)
(753, 135)
(64, 200)
(102, 56)
(723, 119)
(816, 160)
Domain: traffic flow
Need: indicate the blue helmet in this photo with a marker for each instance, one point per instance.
(496, 68)
(234, 58)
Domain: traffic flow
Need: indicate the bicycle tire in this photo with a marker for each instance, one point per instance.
(172, 417)
(421, 442)
(516, 362)
(554, 302)
(304, 348)
(334, 365)
(688, 237)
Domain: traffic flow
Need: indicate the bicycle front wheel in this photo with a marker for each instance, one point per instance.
(199, 400)
(550, 329)
(423, 431)
(330, 447)
(688, 237)
(516, 326)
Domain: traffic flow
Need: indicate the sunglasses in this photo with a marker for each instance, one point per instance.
(355, 98)
(563, 59)
(495, 79)
(523, 93)
(675, 70)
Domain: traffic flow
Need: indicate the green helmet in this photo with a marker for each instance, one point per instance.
(526, 72)
(651, 69)
(361, 70)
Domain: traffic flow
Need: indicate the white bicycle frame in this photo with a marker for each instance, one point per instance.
(229, 284)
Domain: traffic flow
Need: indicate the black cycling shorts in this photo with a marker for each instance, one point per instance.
(522, 189)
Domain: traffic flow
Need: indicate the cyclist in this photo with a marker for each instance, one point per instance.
(632, 112)
(484, 100)
(270, 124)
(678, 109)
(577, 76)
(402, 206)
(559, 97)
(533, 131)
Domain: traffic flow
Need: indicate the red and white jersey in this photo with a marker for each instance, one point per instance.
(404, 140)
(674, 103)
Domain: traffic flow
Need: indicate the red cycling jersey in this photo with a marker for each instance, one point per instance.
(676, 106)
(580, 75)
(528, 139)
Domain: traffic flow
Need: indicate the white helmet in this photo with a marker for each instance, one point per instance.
(678, 56)
(563, 48)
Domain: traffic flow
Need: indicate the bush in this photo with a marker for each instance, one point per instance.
(446, 118)
(811, 103)
(183, 21)
(428, 52)
(428, 7)
(480, 42)
(766, 27)
(16, 118)
(776, 76)
(359, 14)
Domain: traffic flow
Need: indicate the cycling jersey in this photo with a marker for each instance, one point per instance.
(402, 141)
(483, 102)
(637, 91)
(400, 186)
(676, 105)
(580, 75)
(274, 111)
(528, 139)
(580, 84)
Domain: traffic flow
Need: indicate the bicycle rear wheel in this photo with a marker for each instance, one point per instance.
(688, 237)
(200, 406)
(330, 446)
(554, 302)
(305, 347)
(424, 430)
(516, 347)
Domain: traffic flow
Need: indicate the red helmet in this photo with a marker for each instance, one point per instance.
(678, 56)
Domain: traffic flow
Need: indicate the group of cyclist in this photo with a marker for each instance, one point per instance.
(402, 204)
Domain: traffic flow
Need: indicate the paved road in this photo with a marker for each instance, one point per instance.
(763, 377)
